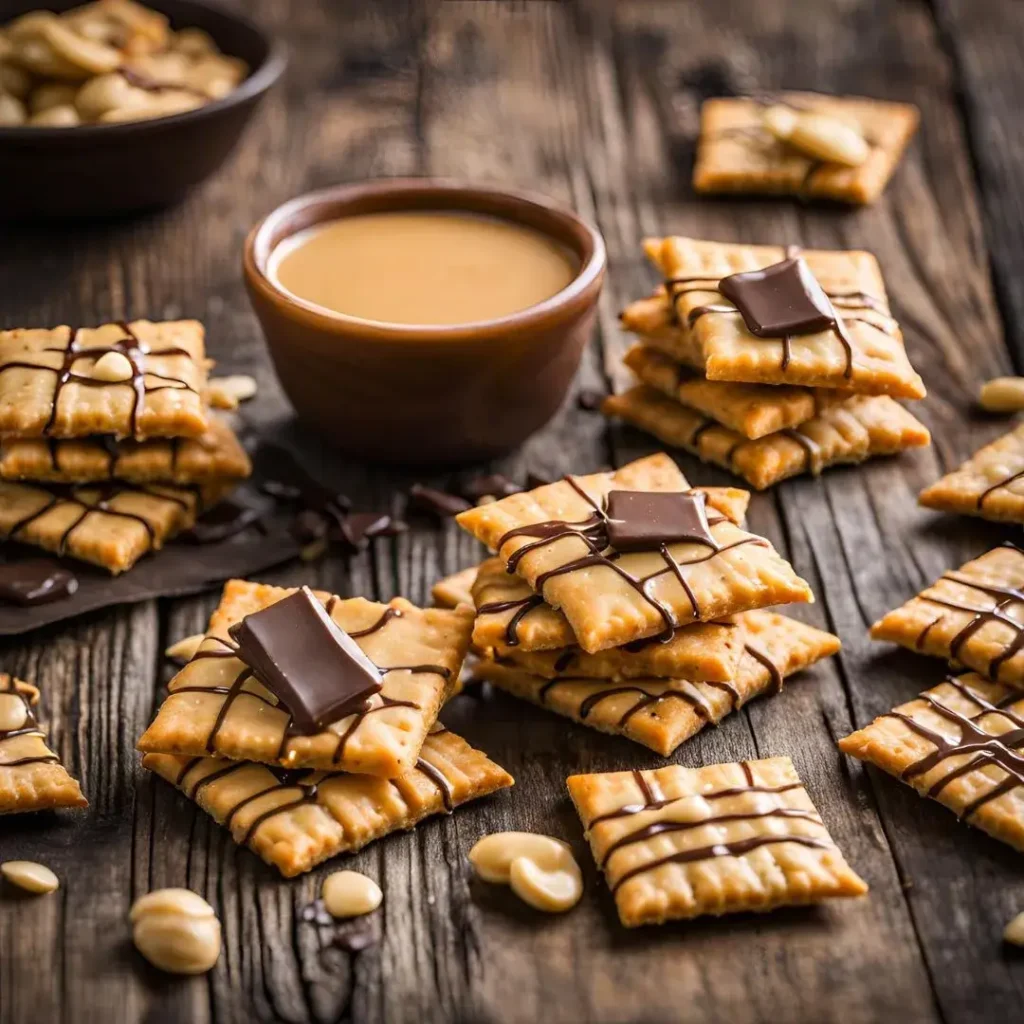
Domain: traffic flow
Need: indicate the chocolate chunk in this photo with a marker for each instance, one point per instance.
(309, 526)
(37, 581)
(489, 484)
(316, 670)
(361, 527)
(644, 520)
(290, 482)
(226, 519)
(590, 400)
(779, 300)
(441, 504)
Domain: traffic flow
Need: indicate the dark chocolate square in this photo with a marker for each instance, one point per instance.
(313, 667)
(779, 300)
(644, 520)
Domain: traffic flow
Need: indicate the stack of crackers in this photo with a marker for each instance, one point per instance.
(108, 448)
(297, 794)
(798, 369)
(589, 610)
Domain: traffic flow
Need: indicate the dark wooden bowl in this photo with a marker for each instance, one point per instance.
(98, 170)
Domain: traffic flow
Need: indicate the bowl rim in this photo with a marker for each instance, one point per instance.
(259, 81)
(258, 248)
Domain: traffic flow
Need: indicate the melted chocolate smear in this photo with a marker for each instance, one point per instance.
(225, 520)
(37, 581)
(492, 485)
(589, 400)
(440, 504)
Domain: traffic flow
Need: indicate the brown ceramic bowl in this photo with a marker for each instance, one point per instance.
(411, 394)
(104, 169)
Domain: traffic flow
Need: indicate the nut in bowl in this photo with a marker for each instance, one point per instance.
(112, 106)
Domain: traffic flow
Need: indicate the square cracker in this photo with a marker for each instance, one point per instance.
(451, 591)
(654, 321)
(845, 431)
(989, 484)
(31, 775)
(752, 410)
(682, 842)
(959, 743)
(735, 153)
(32, 360)
(295, 820)
(973, 615)
(876, 363)
(110, 525)
(611, 602)
(661, 713)
(215, 707)
(217, 455)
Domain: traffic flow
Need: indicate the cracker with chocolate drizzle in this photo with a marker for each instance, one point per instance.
(678, 843)
(111, 525)
(31, 775)
(752, 410)
(216, 707)
(737, 153)
(216, 455)
(973, 616)
(556, 537)
(989, 484)
(661, 713)
(47, 386)
(295, 819)
(961, 743)
(845, 336)
(845, 431)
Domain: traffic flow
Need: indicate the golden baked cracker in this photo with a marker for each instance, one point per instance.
(654, 321)
(989, 484)
(973, 616)
(31, 775)
(736, 153)
(681, 842)
(215, 707)
(661, 713)
(216, 455)
(456, 589)
(847, 431)
(865, 356)
(295, 820)
(960, 743)
(38, 366)
(111, 525)
(553, 537)
(753, 410)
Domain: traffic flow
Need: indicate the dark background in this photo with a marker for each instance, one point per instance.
(595, 105)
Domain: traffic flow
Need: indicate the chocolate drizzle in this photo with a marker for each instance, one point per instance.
(523, 608)
(131, 348)
(594, 533)
(29, 728)
(998, 487)
(1001, 751)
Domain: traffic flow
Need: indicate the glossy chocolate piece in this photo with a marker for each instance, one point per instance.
(226, 519)
(441, 504)
(780, 300)
(36, 581)
(644, 520)
(313, 667)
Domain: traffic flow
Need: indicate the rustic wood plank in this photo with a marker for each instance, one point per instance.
(594, 104)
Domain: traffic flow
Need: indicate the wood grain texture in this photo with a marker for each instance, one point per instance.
(595, 104)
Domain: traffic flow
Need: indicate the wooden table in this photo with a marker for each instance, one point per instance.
(595, 105)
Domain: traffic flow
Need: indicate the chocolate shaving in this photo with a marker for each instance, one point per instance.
(313, 667)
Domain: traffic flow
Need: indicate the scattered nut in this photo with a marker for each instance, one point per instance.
(780, 121)
(28, 875)
(176, 930)
(63, 116)
(13, 712)
(12, 111)
(541, 870)
(826, 138)
(227, 392)
(158, 104)
(1014, 931)
(92, 57)
(350, 894)
(1002, 394)
(113, 367)
(52, 94)
(13, 80)
(108, 92)
(185, 649)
